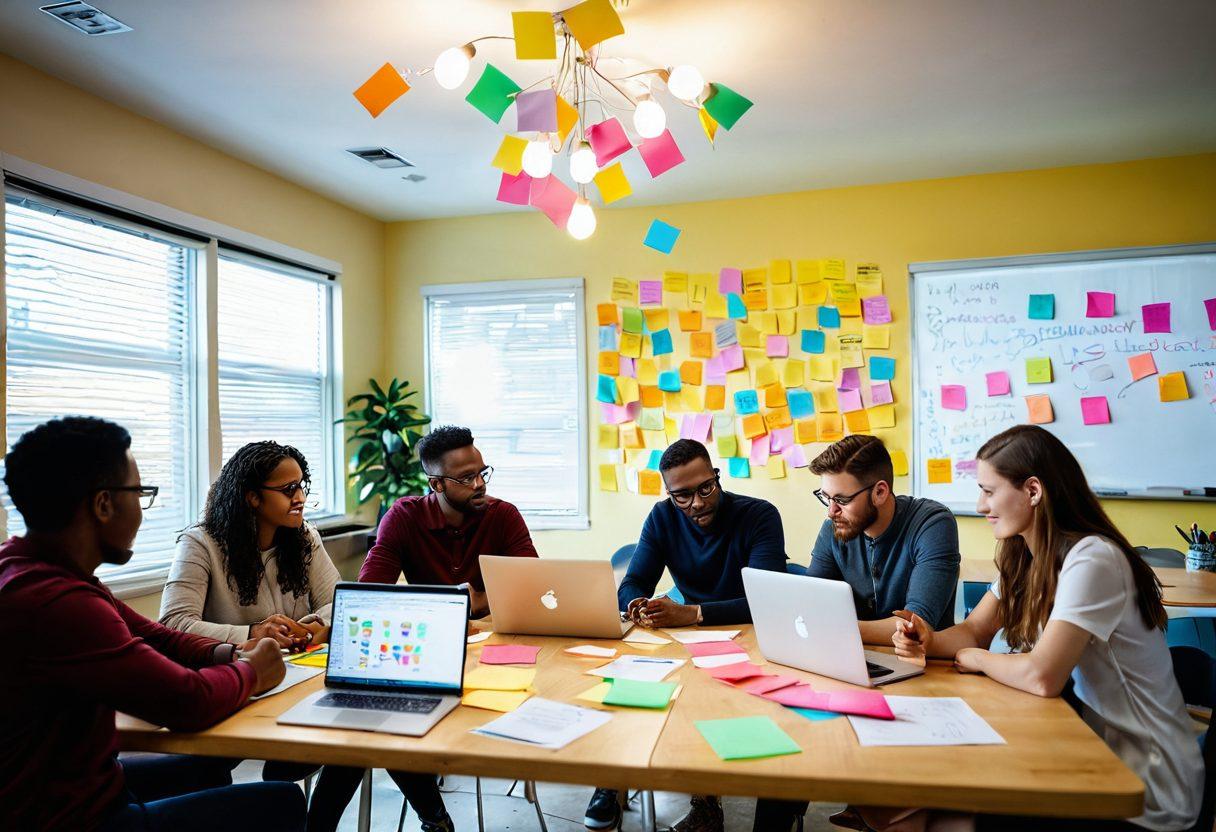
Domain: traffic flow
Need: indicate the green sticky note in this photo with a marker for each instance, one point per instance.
(1038, 371)
(728, 446)
(631, 320)
(493, 93)
(726, 106)
(1042, 307)
(746, 737)
(633, 694)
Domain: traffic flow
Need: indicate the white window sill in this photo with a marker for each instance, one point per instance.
(549, 522)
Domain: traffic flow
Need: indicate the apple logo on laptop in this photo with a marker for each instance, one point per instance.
(800, 627)
(549, 599)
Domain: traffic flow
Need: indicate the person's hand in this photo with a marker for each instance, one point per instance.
(968, 659)
(318, 631)
(664, 612)
(479, 605)
(288, 634)
(267, 660)
(634, 610)
(912, 636)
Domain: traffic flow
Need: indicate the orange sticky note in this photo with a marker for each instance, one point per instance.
(631, 436)
(756, 299)
(593, 21)
(651, 395)
(606, 313)
(753, 426)
(774, 396)
(384, 87)
(701, 344)
(1142, 365)
(690, 320)
(857, 421)
(754, 279)
(535, 39)
(715, 397)
(648, 482)
(777, 418)
(829, 427)
(690, 372)
(1172, 387)
(612, 183)
(939, 471)
(1038, 410)
(610, 363)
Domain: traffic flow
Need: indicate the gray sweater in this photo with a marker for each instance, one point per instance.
(199, 599)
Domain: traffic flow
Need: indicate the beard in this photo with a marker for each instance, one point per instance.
(114, 555)
(844, 531)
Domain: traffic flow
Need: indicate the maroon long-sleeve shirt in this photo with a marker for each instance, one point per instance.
(415, 539)
(74, 655)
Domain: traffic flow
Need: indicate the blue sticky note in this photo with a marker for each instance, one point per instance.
(661, 236)
(669, 381)
(1042, 307)
(829, 317)
(608, 338)
(746, 401)
(655, 456)
(813, 340)
(660, 342)
(881, 369)
(814, 715)
(740, 468)
(801, 403)
(606, 390)
(734, 307)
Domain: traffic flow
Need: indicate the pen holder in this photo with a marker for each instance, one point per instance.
(1201, 557)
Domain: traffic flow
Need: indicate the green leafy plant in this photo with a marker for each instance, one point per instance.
(384, 432)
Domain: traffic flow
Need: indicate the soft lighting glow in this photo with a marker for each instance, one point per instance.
(685, 82)
(582, 164)
(538, 159)
(581, 224)
(452, 66)
(649, 119)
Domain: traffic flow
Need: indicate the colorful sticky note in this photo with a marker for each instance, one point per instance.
(515, 190)
(746, 738)
(1209, 306)
(650, 292)
(730, 280)
(660, 342)
(1038, 370)
(774, 395)
(690, 372)
(608, 140)
(739, 468)
(609, 437)
(1172, 387)
(725, 105)
(998, 383)
(954, 397)
(624, 289)
(1142, 365)
(876, 310)
(777, 346)
(881, 368)
(939, 471)
(612, 183)
(509, 654)
(899, 462)
(700, 344)
(632, 319)
(813, 341)
(1095, 410)
(567, 117)
(661, 236)
(829, 317)
(752, 426)
(593, 21)
(708, 125)
(780, 439)
(509, 158)
(1042, 307)
(776, 468)
(808, 271)
(732, 358)
(801, 404)
(535, 39)
(784, 297)
(1039, 410)
(536, 111)
(850, 379)
(627, 389)
(606, 389)
(880, 393)
(660, 153)
(794, 374)
(607, 314)
(747, 401)
(610, 363)
(552, 196)
(634, 694)
(669, 381)
(735, 308)
(690, 319)
(1099, 304)
(876, 337)
(631, 345)
(384, 87)
(881, 416)
(493, 93)
(506, 678)
(850, 400)
(649, 482)
(503, 701)
(829, 426)
(1156, 317)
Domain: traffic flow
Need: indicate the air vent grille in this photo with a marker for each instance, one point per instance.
(85, 18)
(381, 157)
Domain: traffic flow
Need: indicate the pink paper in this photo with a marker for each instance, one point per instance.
(608, 140)
(1099, 304)
(998, 383)
(795, 457)
(1156, 317)
(1142, 366)
(876, 310)
(514, 190)
(536, 112)
(660, 153)
(1210, 306)
(759, 454)
(650, 292)
(954, 397)
(735, 672)
(780, 439)
(1095, 410)
(714, 648)
(761, 685)
(552, 197)
(777, 346)
(628, 370)
(850, 379)
(616, 414)
(732, 358)
(509, 654)
(798, 696)
(850, 400)
(730, 280)
(715, 372)
(696, 426)
(880, 392)
(858, 703)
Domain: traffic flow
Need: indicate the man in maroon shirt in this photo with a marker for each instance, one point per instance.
(75, 655)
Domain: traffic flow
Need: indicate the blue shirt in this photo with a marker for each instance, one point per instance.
(706, 564)
(912, 565)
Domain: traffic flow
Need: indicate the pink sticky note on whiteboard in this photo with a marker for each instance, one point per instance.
(850, 379)
(998, 383)
(650, 292)
(880, 392)
(730, 280)
(1099, 304)
(732, 358)
(1095, 410)
(509, 654)
(849, 400)
(1210, 306)
(777, 346)
(954, 397)
(608, 140)
(1156, 317)
(660, 153)
(876, 310)
(1142, 365)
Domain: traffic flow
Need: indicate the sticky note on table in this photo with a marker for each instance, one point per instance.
(660, 153)
(954, 397)
(499, 678)
(1172, 387)
(1039, 410)
(613, 183)
(1156, 317)
(939, 470)
(1142, 365)
(1099, 304)
(593, 21)
(739, 468)
(535, 39)
(1038, 370)
(881, 368)
(998, 383)
(829, 317)
(384, 87)
(630, 693)
(1095, 410)
(503, 701)
(509, 654)
(746, 738)
(493, 93)
(1042, 307)
(876, 310)
(661, 236)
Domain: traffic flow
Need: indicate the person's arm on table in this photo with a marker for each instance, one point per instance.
(933, 582)
(645, 568)
(1043, 671)
(765, 550)
(914, 638)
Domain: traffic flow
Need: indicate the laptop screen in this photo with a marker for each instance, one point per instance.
(387, 638)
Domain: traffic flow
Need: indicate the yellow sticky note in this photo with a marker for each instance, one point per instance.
(822, 368)
(503, 701)
(1038, 370)
(510, 155)
(609, 437)
(808, 271)
(655, 439)
(786, 322)
(384, 87)
(749, 336)
(808, 317)
(899, 462)
(672, 428)
(672, 402)
(690, 320)
(648, 373)
(317, 659)
(676, 283)
(939, 471)
(876, 337)
(648, 482)
(596, 693)
(794, 374)
(698, 289)
(657, 319)
(690, 399)
(535, 39)
(881, 416)
(631, 436)
(756, 299)
(779, 271)
(690, 372)
(829, 427)
(715, 397)
(752, 426)
(624, 289)
(826, 400)
(567, 117)
(851, 354)
(766, 374)
(766, 322)
(493, 677)
(707, 124)
(1171, 387)
(812, 294)
(627, 388)
(869, 286)
(804, 431)
(1039, 411)
(715, 305)
(849, 308)
(754, 280)
(612, 183)
(593, 21)
(857, 421)
(833, 269)
(777, 418)
(776, 468)
(784, 296)
(631, 345)
(754, 357)
(842, 293)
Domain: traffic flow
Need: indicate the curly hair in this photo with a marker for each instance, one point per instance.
(438, 442)
(230, 521)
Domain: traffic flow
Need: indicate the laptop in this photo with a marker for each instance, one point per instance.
(811, 624)
(396, 659)
(552, 597)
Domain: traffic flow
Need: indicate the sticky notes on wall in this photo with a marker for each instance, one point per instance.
(876, 337)
(804, 431)
(779, 271)
(899, 462)
(813, 341)
(881, 368)
(998, 383)
(660, 342)
(1042, 307)
(850, 379)
(661, 236)
(794, 374)
(829, 317)
(715, 397)
(624, 289)
(690, 372)
(669, 381)
(784, 297)
(1038, 370)
(739, 468)
(1172, 387)
(829, 426)
(880, 393)
(876, 310)
(690, 320)
(746, 402)
(613, 183)
(777, 346)
(1156, 317)
(954, 397)
(608, 478)
(1038, 410)
(857, 421)
(850, 400)
(801, 403)
(1209, 306)
(736, 309)
(1099, 304)
(1142, 365)
(1095, 410)
(939, 471)
(776, 468)
(881, 416)
(650, 292)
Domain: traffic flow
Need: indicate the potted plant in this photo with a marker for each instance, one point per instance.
(384, 431)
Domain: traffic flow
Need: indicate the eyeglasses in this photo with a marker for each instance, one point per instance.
(842, 500)
(146, 493)
(288, 490)
(467, 481)
(684, 497)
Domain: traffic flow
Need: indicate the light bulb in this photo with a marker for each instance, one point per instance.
(538, 159)
(582, 164)
(685, 82)
(452, 66)
(649, 119)
(581, 224)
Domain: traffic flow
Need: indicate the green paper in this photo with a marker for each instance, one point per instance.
(746, 738)
(493, 93)
(634, 694)
(726, 106)
(631, 320)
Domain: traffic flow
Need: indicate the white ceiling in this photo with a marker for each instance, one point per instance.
(847, 92)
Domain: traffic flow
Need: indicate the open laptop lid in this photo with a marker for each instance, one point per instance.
(552, 596)
(398, 638)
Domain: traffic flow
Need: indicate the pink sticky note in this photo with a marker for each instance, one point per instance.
(1210, 306)
(700, 427)
(876, 310)
(515, 190)
(859, 703)
(1099, 304)
(954, 397)
(554, 198)
(1095, 410)
(797, 696)
(850, 379)
(1142, 365)
(715, 372)
(509, 654)
(880, 392)
(850, 400)
(628, 370)
(608, 140)
(732, 358)
(777, 346)
(760, 685)
(615, 414)
(650, 292)
(714, 648)
(735, 672)
(687, 424)
(998, 383)
(1156, 317)
(536, 112)
(660, 153)
(730, 280)
(759, 454)
(780, 439)
(795, 457)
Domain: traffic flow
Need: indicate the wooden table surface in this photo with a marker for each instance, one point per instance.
(1180, 587)
(1053, 763)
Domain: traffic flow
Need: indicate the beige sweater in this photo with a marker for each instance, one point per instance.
(199, 599)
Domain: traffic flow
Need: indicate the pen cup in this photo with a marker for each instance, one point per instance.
(1201, 557)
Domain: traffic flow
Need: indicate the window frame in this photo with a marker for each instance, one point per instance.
(517, 289)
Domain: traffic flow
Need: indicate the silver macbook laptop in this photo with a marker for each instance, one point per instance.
(811, 624)
(552, 597)
(396, 659)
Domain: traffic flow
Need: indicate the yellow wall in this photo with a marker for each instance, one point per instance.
(1152, 202)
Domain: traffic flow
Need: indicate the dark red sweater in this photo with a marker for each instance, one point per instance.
(74, 655)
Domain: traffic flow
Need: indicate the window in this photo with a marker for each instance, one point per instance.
(507, 360)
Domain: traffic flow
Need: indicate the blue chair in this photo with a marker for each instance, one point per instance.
(620, 561)
(794, 568)
(1195, 671)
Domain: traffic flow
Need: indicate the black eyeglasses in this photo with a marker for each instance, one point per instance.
(467, 481)
(288, 490)
(684, 497)
(843, 500)
(146, 493)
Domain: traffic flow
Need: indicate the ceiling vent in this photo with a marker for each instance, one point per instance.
(381, 157)
(414, 177)
(85, 18)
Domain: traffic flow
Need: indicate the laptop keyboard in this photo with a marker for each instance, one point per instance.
(877, 670)
(366, 702)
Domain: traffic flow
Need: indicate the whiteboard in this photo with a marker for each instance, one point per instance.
(971, 318)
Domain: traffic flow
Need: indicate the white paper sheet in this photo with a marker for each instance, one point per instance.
(545, 723)
(926, 720)
(640, 636)
(637, 668)
(702, 636)
(591, 650)
(482, 636)
(719, 661)
(296, 673)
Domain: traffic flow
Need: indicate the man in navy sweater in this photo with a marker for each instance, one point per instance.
(704, 536)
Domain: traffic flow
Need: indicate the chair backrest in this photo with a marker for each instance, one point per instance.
(1161, 556)
(794, 568)
(620, 561)
(1195, 671)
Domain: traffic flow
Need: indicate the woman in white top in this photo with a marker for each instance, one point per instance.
(1075, 601)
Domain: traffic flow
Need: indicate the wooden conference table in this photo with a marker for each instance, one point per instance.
(1052, 763)
(1180, 588)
